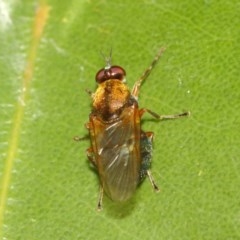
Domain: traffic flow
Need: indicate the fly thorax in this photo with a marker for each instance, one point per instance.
(110, 99)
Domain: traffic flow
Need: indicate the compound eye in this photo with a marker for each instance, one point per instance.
(113, 72)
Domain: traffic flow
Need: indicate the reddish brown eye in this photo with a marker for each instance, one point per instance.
(113, 72)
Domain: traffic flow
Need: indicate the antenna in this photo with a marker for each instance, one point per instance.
(108, 60)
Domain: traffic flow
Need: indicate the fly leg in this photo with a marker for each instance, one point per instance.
(163, 117)
(146, 155)
(78, 139)
(91, 158)
(137, 85)
(90, 154)
(100, 198)
(149, 135)
(146, 144)
(151, 179)
(87, 126)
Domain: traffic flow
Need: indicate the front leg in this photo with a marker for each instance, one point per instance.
(137, 85)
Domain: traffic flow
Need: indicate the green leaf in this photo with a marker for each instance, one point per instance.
(50, 55)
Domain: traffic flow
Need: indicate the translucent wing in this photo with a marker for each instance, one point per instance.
(116, 148)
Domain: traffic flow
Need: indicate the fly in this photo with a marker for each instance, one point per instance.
(120, 150)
